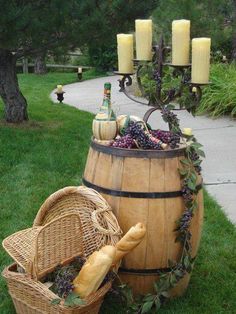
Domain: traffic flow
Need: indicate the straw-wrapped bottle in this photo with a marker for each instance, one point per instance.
(104, 124)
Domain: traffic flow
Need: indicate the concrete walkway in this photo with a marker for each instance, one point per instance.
(218, 136)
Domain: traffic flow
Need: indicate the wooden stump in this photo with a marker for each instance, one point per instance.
(144, 186)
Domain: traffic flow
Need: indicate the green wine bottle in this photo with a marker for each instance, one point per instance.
(105, 112)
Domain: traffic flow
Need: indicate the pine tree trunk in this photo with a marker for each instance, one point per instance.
(15, 103)
(40, 64)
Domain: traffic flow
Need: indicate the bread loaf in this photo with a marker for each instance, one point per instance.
(129, 241)
(94, 271)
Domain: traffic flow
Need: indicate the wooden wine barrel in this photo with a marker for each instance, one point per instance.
(144, 186)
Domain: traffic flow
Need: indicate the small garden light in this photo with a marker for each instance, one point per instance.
(80, 73)
(224, 59)
(59, 92)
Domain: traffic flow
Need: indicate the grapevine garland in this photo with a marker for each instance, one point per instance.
(190, 168)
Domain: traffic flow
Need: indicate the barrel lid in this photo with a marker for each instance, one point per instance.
(138, 153)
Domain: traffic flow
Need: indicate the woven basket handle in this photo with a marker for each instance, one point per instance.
(94, 197)
(104, 209)
(113, 225)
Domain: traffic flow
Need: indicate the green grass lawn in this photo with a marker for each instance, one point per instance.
(49, 152)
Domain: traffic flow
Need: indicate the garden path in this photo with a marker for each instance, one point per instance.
(218, 136)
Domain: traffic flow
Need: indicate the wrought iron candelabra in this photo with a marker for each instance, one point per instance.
(162, 98)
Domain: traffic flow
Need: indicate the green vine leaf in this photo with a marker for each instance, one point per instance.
(201, 153)
(170, 106)
(187, 262)
(195, 145)
(173, 279)
(197, 162)
(165, 294)
(191, 185)
(185, 162)
(183, 172)
(148, 297)
(193, 177)
(157, 303)
(73, 299)
(55, 301)
(127, 293)
(146, 307)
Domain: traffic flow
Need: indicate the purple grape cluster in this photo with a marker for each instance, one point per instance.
(124, 142)
(135, 129)
(170, 117)
(194, 157)
(63, 281)
(185, 220)
(167, 137)
(187, 194)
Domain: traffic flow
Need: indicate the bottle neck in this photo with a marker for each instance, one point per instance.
(107, 97)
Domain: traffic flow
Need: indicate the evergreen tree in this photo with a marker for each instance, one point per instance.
(30, 28)
(102, 20)
(209, 18)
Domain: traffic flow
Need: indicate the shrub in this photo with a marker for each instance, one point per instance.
(219, 98)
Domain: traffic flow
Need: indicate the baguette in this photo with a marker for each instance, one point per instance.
(129, 241)
(94, 271)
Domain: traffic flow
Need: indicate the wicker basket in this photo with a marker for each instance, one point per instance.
(98, 222)
(63, 229)
(33, 297)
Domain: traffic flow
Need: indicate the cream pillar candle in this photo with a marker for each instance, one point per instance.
(143, 36)
(180, 42)
(125, 53)
(200, 60)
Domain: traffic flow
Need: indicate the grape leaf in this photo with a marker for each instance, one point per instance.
(201, 153)
(55, 301)
(185, 161)
(191, 185)
(146, 307)
(196, 145)
(157, 303)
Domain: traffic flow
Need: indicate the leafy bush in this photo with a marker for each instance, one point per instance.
(103, 57)
(219, 98)
(168, 82)
(209, 18)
